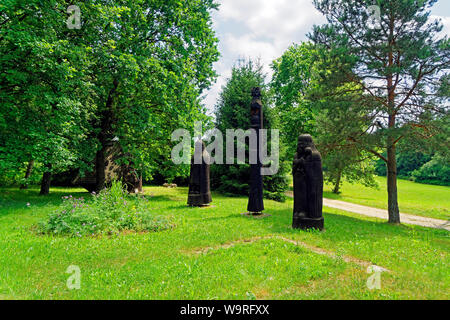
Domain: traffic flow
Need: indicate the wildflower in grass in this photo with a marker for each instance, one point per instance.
(28, 204)
(113, 209)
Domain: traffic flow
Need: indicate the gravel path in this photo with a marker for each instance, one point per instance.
(383, 214)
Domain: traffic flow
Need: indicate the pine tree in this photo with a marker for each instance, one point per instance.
(233, 112)
(398, 61)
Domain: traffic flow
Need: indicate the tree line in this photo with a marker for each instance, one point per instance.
(366, 93)
(105, 98)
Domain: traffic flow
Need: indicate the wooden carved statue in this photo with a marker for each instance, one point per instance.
(308, 185)
(199, 183)
(255, 200)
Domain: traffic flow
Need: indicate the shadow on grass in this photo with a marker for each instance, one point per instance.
(342, 228)
(11, 196)
(160, 198)
(334, 196)
(231, 216)
(331, 195)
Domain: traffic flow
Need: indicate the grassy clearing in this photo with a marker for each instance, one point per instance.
(172, 264)
(414, 198)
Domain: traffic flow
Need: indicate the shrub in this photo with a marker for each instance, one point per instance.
(112, 211)
(436, 171)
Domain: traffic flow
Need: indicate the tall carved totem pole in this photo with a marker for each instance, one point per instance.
(255, 201)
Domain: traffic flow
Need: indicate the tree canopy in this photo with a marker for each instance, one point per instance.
(399, 66)
(233, 112)
(130, 75)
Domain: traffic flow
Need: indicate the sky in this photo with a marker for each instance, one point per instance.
(264, 29)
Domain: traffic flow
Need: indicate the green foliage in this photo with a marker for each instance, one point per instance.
(292, 80)
(16, 176)
(435, 171)
(340, 164)
(233, 112)
(304, 107)
(407, 162)
(275, 186)
(134, 70)
(43, 89)
(112, 211)
(334, 130)
(394, 70)
(162, 61)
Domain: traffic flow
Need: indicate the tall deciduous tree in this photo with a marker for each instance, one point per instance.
(130, 75)
(44, 114)
(292, 80)
(151, 61)
(295, 85)
(398, 62)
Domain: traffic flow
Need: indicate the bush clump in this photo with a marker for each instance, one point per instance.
(111, 211)
(436, 171)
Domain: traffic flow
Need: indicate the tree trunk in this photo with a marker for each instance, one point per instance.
(391, 165)
(393, 210)
(100, 168)
(140, 187)
(338, 183)
(46, 180)
(104, 137)
(27, 175)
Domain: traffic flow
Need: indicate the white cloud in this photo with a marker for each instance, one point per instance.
(268, 15)
(224, 72)
(260, 29)
(248, 46)
(264, 29)
(446, 23)
(279, 22)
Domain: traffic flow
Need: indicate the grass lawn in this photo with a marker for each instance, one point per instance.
(177, 264)
(414, 198)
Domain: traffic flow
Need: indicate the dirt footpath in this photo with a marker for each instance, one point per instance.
(383, 214)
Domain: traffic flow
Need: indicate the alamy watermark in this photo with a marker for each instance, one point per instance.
(74, 20)
(74, 281)
(374, 281)
(374, 21)
(235, 147)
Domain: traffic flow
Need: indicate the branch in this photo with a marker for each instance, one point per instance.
(396, 141)
(378, 155)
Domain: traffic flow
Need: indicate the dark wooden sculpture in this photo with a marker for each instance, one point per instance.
(255, 201)
(199, 183)
(308, 185)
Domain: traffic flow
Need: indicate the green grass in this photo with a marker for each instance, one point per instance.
(414, 198)
(175, 264)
